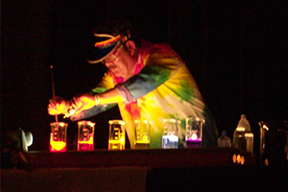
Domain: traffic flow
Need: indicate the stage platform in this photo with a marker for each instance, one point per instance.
(152, 158)
(203, 169)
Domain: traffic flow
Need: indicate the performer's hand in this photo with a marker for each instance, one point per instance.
(57, 105)
(82, 102)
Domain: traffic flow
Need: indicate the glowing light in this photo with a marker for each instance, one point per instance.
(265, 127)
(234, 158)
(194, 136)
(169, 120)
(248, 135)
(240, 129)
(266, 162)
(242, 160)
(238, 158)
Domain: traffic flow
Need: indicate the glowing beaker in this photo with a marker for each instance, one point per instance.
(116, 135)
(142, 134)
(85, 141)
(194, 129)
(170, 133)
(58, 136)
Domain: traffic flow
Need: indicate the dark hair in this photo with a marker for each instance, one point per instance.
(116, 27)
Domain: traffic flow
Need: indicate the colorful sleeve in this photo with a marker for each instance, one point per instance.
(156, 72)
(91, 112)
(104, 85)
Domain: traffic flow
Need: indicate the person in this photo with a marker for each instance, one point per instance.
(148, 81)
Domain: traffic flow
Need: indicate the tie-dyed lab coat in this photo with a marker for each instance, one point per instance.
(161, 88)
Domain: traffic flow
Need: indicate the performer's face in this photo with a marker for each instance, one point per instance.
(122, 61)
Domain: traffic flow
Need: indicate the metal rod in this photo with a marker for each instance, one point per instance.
(53, 89)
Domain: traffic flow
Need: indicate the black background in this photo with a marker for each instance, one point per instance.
(236, 50)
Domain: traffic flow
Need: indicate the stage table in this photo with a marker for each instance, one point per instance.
(143, 170)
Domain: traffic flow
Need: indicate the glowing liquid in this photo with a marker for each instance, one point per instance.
(58, 140)
(169, 142)
(193, 143)
(142, 145)
(57, 146)
(86, 145)
(116, 144)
